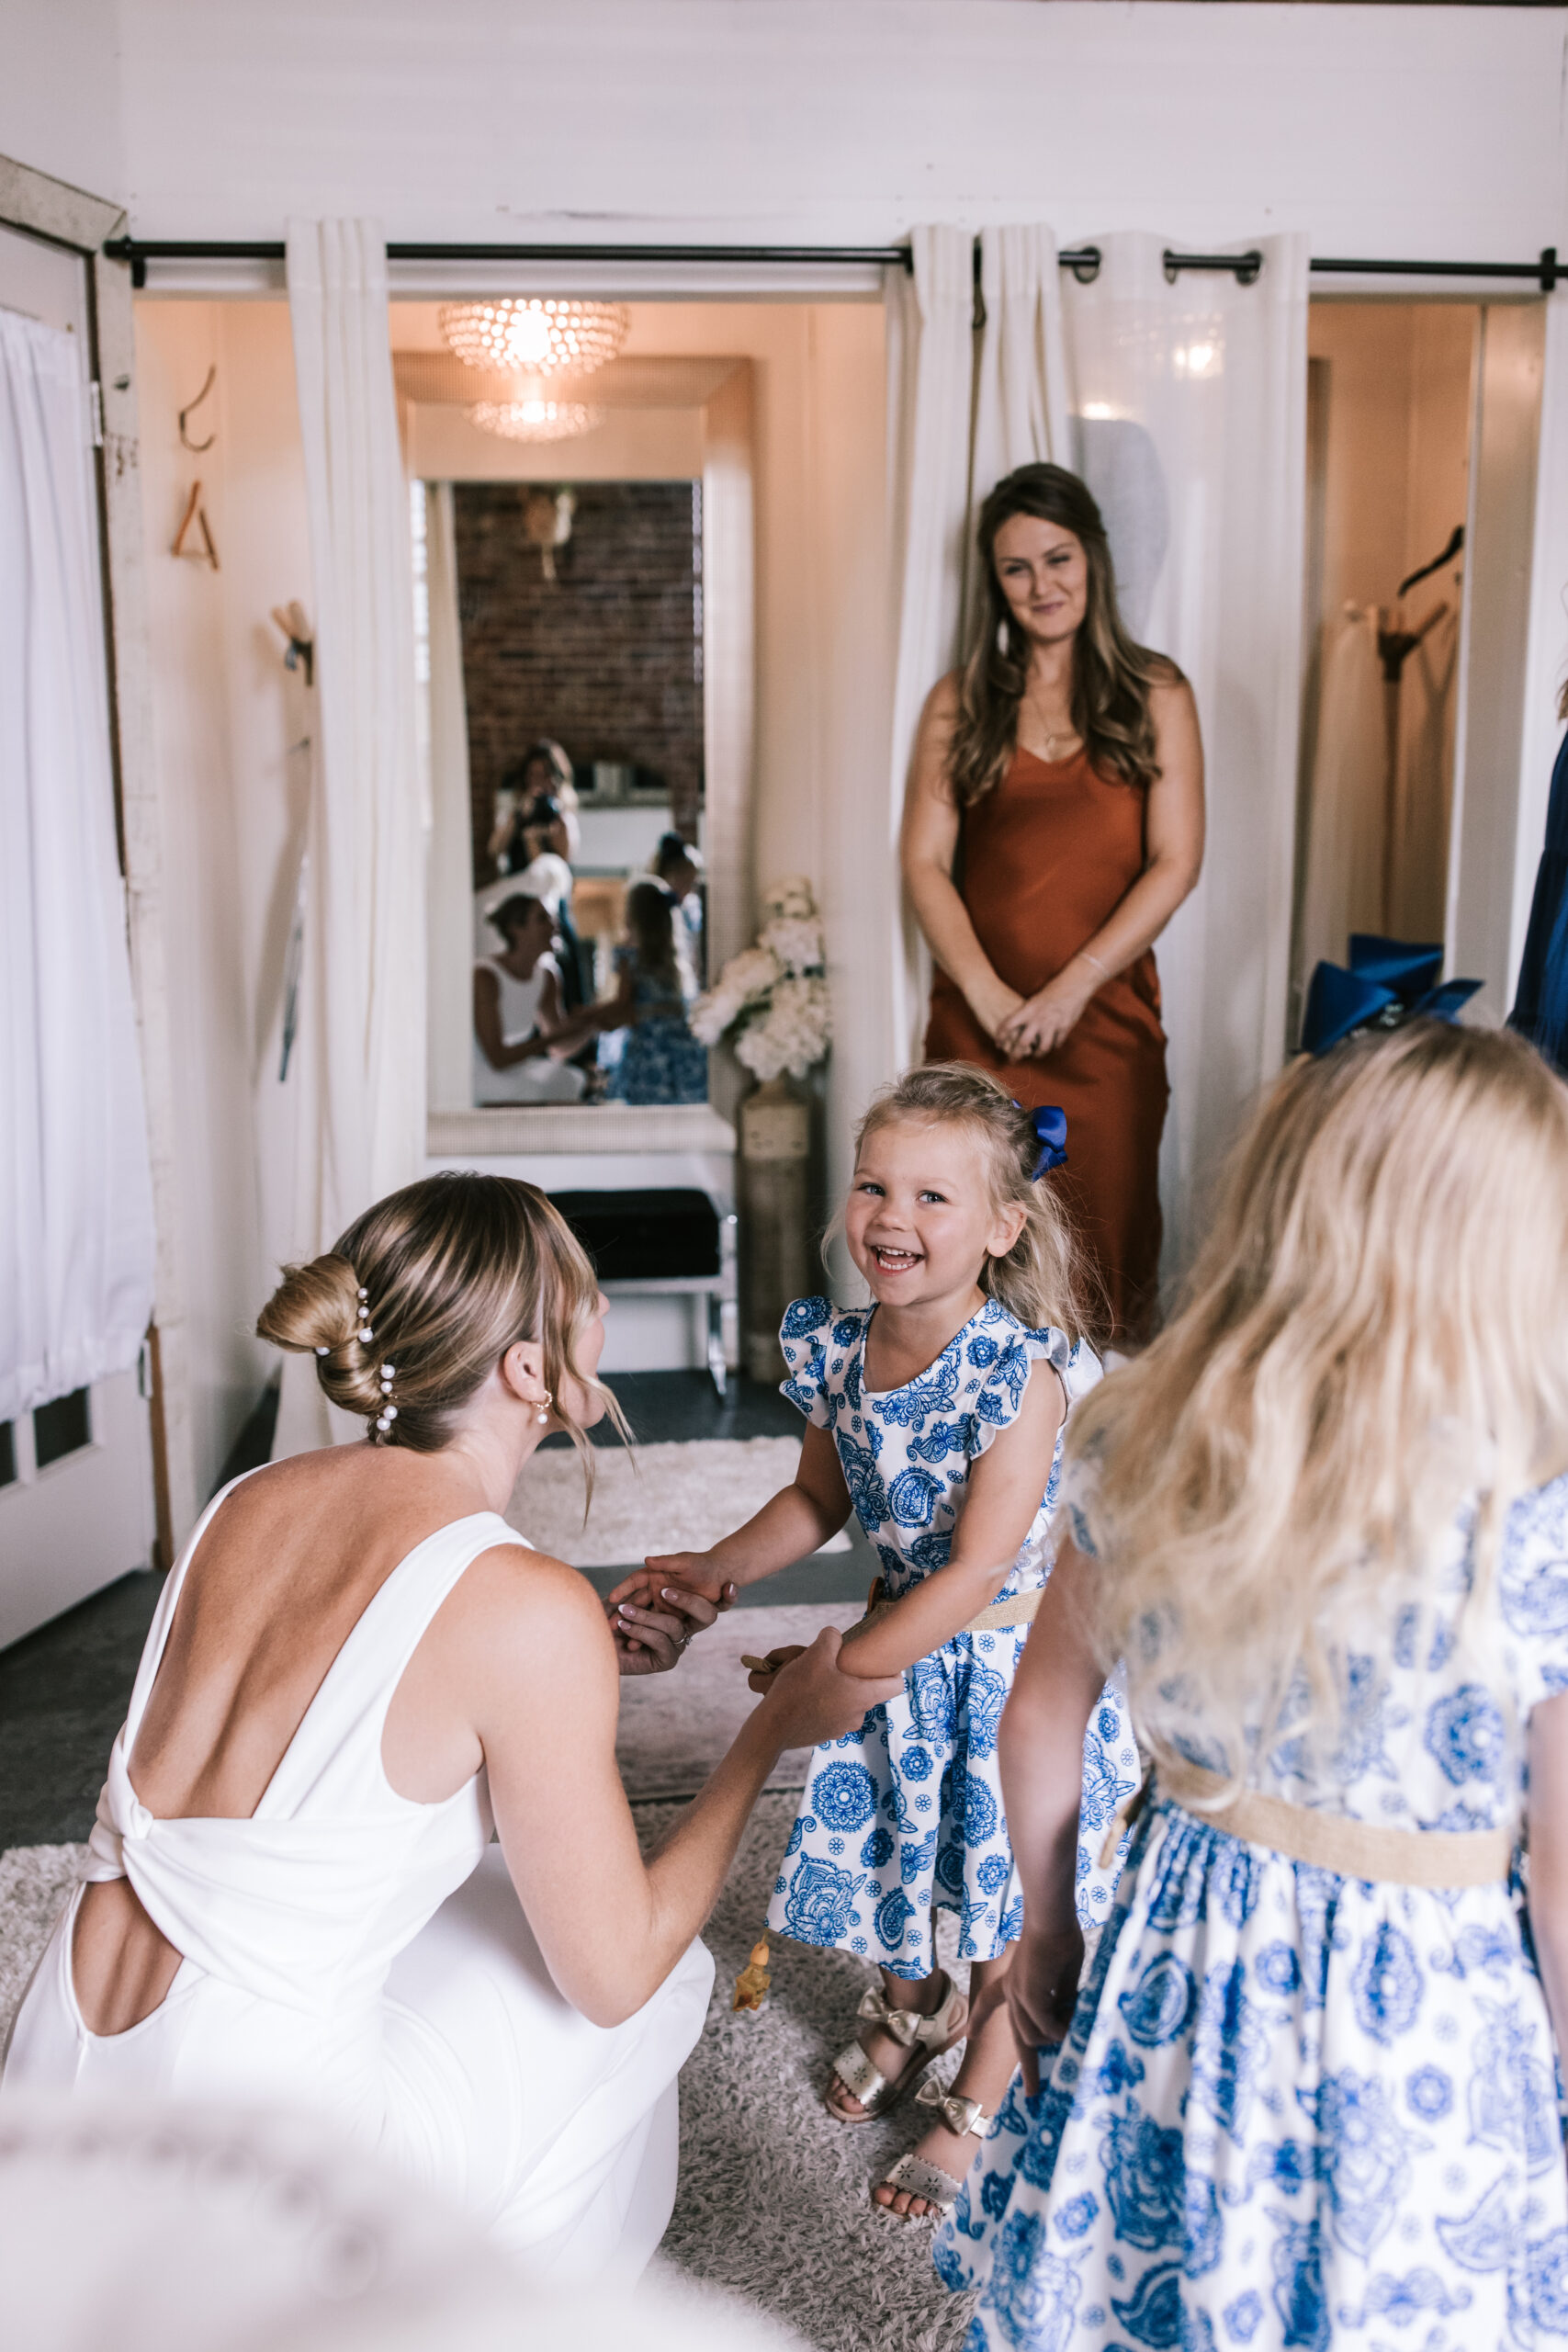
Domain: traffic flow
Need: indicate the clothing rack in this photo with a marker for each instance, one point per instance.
(1084, 261)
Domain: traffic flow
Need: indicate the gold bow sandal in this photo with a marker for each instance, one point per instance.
(913, 2175)
(924, 2038)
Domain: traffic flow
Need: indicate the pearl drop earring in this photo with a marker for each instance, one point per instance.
(543, 1415)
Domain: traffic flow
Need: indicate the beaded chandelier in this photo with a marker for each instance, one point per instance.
(536, 420)
(538, 335)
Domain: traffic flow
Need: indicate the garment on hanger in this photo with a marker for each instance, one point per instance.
(1345, 809)
(1419, 881)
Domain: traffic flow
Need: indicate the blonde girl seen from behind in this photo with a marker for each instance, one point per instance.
(1325, 1519)
(936, 1414)
(1373, 1331)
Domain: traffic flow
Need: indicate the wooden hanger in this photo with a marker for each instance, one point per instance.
(195, 512)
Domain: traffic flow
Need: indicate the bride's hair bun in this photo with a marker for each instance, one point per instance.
(422, 1296)
(314, 1306)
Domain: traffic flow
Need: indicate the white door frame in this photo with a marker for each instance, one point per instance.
(67, 217)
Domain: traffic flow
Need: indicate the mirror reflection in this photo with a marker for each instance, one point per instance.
(579, 624)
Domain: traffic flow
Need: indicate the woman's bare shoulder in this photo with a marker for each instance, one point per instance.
(941, 703)
(512, 1584)
(1170, 688)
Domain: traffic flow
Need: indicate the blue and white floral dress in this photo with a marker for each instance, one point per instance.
(1292, 2109)
(908, 1811)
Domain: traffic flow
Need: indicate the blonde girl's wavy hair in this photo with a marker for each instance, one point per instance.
(1042, 1279)
(454, 1271)
(1112, 677)
(1372, 1341)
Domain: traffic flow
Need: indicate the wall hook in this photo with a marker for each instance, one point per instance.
(198, 446)
(294, 621)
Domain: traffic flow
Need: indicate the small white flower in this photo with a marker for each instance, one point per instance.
(793, 895)
(796, 941)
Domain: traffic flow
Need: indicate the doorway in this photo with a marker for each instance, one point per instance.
(77, 1471)
(1423, 422)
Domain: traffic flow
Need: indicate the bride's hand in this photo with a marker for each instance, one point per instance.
(689, 1571)
(812, 1700)
(651, 1641)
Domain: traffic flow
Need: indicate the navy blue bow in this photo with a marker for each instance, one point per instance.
(1049, 1126)
(1388, 983)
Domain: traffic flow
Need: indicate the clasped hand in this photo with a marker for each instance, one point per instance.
(1041, 1023)
(655, 1612)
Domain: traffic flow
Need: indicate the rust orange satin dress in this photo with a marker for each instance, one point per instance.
(1042, 861)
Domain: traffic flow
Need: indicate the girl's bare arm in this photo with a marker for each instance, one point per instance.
(793, 1523)
(1547, 1821)
(1039, 1750)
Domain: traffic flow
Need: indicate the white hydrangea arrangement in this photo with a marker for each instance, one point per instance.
(772, 1000)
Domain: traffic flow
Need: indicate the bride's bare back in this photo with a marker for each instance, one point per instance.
(291, 1561)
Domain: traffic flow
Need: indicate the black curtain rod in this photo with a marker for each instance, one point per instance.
(1084, 261)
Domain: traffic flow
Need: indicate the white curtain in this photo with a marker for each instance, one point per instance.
(1024, 402)
(929, 378)
(451, 882)
(361, 1054)
(76, 1239)
(1342, 881)
(1192, 402)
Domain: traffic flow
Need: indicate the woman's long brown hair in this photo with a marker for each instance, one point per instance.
(1111, 675)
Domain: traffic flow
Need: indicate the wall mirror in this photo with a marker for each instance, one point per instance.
(585, 651)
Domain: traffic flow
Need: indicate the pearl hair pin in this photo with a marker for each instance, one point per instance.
(389, 1412)
(364, 1334)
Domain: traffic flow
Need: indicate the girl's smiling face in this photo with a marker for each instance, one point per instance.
(920, 1220)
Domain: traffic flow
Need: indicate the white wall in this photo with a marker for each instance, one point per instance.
(1432, 131)
(62, 94)
(225, 713)
(1382, 129)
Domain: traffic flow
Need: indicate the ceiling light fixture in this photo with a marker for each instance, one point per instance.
(536, 420)
(539, 334)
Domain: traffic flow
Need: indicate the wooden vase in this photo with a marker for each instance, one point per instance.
(775, 1233)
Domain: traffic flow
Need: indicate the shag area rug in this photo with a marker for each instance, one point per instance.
(679, 1497)
(774, 2197)
(775, 2201)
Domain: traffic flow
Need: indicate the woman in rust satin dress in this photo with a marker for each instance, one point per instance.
(1054, 823)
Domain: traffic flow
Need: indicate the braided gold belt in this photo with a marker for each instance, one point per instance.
(1326, 1841)
(1021, 1610)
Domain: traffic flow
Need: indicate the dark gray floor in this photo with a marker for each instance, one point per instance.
(63, 1689)
(63, 1698)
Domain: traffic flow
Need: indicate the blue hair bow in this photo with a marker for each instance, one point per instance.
(1388, 983)
(1049, 1126)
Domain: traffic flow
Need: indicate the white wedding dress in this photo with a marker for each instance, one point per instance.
(349, 1950)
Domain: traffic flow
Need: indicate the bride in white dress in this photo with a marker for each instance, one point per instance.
(355, 1670)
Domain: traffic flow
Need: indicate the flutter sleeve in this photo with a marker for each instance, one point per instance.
(998, 1398)
(804, 1335)
(1532, 1587)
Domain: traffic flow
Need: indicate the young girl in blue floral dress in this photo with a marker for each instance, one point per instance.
(1306, 2096)
(937, 1415)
